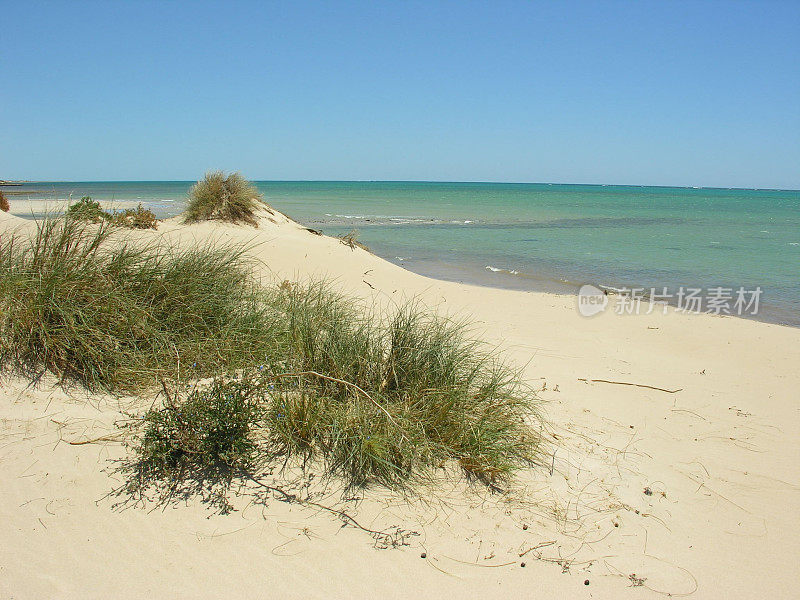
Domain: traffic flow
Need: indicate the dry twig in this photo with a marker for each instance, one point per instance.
(641, 385)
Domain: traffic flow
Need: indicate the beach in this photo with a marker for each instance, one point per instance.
(673, 447)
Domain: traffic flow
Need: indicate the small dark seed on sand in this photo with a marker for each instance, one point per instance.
(586, 582)
(522, 565)
(524, 526)
(423, 555)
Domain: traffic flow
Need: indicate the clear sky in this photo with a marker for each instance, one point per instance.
(664, 93)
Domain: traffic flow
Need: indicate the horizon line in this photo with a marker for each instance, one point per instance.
(14, 182)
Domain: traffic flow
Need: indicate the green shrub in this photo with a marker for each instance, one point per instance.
(228, 198)
(197, 446)
(212, 428)
(87, 209)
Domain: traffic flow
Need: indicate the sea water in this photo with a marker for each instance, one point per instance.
(537, 236)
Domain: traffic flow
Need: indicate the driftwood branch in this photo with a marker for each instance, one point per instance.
(102, 438)
(641, 385)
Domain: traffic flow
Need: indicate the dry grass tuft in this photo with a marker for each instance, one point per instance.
(351, 241)
(135, 218)
(229, 198)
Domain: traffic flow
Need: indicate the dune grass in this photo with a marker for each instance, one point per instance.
(4, 205)
(230, 198)
(375, 401)
(300, 373)
(388, 401)
(118, 317)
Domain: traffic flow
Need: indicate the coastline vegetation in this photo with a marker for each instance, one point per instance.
(113, 316)
(386, 402)
(229, 198)
(297, 372)
(4, 206)
(89, 210)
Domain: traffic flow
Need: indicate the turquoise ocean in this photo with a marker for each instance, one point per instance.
(547, 237)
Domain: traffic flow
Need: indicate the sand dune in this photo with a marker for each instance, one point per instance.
(694, 492)
(38, 208)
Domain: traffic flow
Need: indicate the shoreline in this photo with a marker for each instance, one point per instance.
(473, 273)
(505, 279)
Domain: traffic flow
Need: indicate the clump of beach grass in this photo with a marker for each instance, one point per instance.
(388, 402)
(111, 315)
(396, 397)
(230, 198)
(4, 206)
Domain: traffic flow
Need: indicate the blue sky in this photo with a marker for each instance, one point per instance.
(662, 93)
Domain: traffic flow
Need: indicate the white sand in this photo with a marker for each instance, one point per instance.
(721, 457)
(37, 208)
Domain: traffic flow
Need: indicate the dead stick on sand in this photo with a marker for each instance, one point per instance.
(542, 545)
(641, 385)
(472, 564)
(102, 438)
